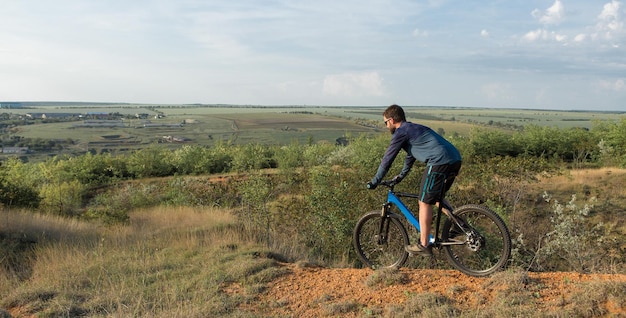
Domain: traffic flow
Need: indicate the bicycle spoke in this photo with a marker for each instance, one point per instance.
(380, 251)
(486, 249)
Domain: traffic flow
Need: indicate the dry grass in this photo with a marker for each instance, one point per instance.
(424, 305)
(174, 262)
(44, 227)
(386, 277)
(604, 182)
(589, 300)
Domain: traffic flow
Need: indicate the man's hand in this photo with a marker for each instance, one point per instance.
(396, 179)
(371, 186)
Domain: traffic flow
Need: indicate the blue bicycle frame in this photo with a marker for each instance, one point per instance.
(394, 198)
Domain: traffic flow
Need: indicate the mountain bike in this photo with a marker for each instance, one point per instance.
(474, 239)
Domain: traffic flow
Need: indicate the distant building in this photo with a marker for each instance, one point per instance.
(14, 150)
(175, 139)
(162, 125)
(98, 115)
(50, 115)
(100, 123)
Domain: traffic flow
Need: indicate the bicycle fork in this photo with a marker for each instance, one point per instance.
(383, 229)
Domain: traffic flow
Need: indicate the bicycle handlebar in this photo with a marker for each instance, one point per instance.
(387, 183)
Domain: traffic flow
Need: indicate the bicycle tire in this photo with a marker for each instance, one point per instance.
(495, 242)
(372, 252)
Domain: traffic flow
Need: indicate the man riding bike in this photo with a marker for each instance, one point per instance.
(443, 162)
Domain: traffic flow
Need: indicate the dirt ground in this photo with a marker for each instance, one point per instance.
(307, 291)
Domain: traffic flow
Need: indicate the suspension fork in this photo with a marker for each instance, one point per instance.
(383, 229)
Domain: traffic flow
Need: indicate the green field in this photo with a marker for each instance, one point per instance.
(522, 117)
(207, 127)
(209, 124)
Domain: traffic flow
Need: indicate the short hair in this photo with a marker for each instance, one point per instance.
(396, 112)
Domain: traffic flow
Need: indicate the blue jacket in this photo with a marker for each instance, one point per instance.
(420, 143)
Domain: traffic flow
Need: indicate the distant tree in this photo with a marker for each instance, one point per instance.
(490, 143)
(150, 162)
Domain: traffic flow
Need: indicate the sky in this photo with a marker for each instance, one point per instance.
(552, 54)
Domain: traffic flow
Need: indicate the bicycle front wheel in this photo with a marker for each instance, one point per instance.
(485, 250)
(379, 241)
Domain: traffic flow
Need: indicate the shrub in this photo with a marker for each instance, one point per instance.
(63, 199)
(490, 143)
(19, 184)
(333, 213)
(289, 157)
(256, 191)
(110, 207)
(197, 160)
(88, 169)
(250, 157)
(150, 162)
(575, 243)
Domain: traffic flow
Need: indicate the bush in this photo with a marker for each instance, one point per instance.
(89, 169)
(250, 157)
(490, 143)
(63, 199)
(333, 211)
(150, 162)
(197, 160)
(18, 184)
(290, 157)
(575, 243)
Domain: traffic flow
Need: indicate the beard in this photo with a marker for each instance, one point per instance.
(392, 130)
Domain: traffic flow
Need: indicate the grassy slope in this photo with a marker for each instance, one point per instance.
(169, 262)
(174, 262)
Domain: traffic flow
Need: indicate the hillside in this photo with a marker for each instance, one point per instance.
(310, 291)
(197, 262)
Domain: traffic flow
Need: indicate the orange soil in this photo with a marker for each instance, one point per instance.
(304, 290)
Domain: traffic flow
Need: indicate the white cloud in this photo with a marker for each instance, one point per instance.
(354, 84)
(552, 15)
(329, 52)
(544, 35)
(610, 24)
(618, 85)
(580, 37)
(610, 11)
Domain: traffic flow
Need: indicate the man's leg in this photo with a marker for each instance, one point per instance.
(431, 187)
(426, 219)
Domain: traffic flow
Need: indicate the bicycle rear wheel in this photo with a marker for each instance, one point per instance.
(376, 248)
(488, 247)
